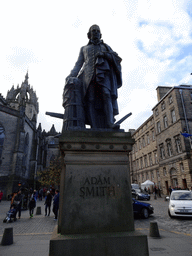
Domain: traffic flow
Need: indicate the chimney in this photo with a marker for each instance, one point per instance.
(161, 91)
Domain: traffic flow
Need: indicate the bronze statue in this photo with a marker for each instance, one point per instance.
(98, 71)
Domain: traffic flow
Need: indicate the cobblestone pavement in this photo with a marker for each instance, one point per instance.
(39, 224)
(32, 236)
(180, 225)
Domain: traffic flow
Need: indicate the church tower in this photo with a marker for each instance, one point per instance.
(20, 140)
(26, 97)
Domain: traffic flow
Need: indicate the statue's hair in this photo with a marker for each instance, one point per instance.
(89, 33)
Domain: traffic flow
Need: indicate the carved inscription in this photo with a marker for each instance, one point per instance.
(97, 187)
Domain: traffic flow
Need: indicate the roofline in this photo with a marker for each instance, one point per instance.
(142, 124)
(186, 87)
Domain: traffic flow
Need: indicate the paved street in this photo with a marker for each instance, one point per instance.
(164, 221)
(31, 236)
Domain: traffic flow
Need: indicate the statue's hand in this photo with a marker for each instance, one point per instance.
(99, 54)
(67, 78)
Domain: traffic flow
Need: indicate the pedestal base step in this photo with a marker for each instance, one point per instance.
(102, 244)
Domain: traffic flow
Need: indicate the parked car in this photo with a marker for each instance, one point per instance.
(180, 204)
(139, 194)
(134, 186)
(141, 208)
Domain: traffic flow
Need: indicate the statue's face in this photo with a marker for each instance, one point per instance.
(95, 33)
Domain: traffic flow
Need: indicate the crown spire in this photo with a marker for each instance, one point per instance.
(26, 78)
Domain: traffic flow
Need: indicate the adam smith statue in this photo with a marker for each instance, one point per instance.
(99, 71)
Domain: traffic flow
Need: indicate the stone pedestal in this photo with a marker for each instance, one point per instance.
(96, 214)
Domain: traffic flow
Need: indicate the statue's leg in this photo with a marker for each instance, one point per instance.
(108, 109)
(91, 106)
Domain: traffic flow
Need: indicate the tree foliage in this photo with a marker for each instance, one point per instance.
(51, 175)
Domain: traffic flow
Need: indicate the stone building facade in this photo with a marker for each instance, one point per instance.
(161, 153)
(23, 147)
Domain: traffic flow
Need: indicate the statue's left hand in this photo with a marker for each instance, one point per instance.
(99, 54)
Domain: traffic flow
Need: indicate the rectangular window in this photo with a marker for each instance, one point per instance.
(158, 127)
(173, 116)
(170, 99)
(165, 122)
(169, 148)
(148, 139)
(178, 144)
(145, 158)
(162, 151)
(181, 167)
(143, 139)
(153, 135)
(155, 157)
(137, 164)
(150, 159)
(139, 144)
(134, 166)
(141, 162)
(162, 106)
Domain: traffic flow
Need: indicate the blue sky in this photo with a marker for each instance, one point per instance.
(153, 37)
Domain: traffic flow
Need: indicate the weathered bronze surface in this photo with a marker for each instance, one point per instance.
(90, 93)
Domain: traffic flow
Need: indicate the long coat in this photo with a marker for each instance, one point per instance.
(85, 67)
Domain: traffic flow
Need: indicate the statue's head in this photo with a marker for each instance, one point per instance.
(94, 32)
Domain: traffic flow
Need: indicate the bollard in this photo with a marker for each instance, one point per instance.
(38, 211)
(7, 238)
(154, 231)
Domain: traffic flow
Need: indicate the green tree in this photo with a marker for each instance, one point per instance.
(51, 175)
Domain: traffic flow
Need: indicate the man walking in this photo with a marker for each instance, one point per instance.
(18, 201)
(56, 204)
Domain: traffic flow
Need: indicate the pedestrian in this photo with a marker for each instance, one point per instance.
(159, 192)
(170, 190)
(48, 201)
(56, 203)
(155, 192)
(13, 195)
(40, 194)
(44, 191)
(1, 195)
(32, 205)
(18, 201)
(35, 194)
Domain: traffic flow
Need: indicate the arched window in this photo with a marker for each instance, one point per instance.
(2, 137)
